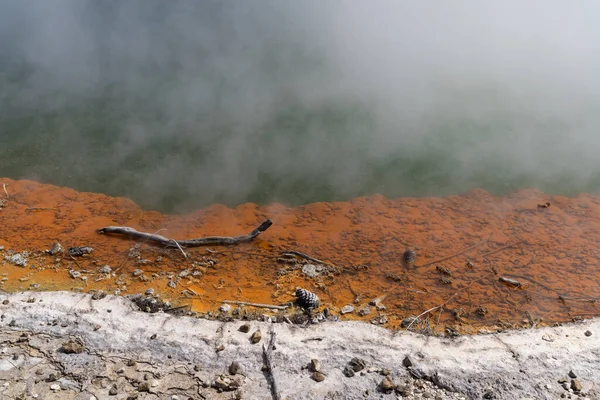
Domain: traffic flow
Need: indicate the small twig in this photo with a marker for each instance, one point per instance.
(257, 305)
(267, 351)
(591, 299)
(423, 313)
(182, 252)
(445, 303)
(6, 191)
(302, 255)
(73, 258)
(40, 209)
(456, 254)
(502, 248)
(351, 289)
(316, 339)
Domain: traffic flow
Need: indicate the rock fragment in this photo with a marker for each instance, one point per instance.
(55, 249)
(72, 347)
(234, 368)
(225, 308)
(80, 251)
(387, 385)
(74, 274)
(318, 376)
(256, 337)
(17, 259)
(346, 309)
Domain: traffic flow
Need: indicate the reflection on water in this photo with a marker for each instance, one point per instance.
(482, 261)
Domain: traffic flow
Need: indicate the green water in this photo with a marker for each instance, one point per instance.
(298, 156)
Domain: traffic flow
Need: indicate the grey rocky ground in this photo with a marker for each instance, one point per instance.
(64, 345)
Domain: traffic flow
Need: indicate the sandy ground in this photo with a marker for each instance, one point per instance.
(64, 345)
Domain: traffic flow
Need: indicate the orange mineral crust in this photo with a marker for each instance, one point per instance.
(483, 262)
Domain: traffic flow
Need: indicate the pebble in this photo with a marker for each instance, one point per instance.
(72, 347)
(244, 328)
(256, 336)
(315, 365)
(387, 385)
(357, 364)
(318, 376)
(588, 333)
(234, 368)
(137, 272)
(572, 374)
(55, 387)
(407, 362)
(548, 338)
(149, 292)
(225, 308)
(105, 269)
(74, 274)
(364, 311)
(576, 385)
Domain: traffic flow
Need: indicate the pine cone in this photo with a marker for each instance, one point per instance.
(410, 257)
(306, 299)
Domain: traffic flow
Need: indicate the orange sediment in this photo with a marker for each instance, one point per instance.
(547, 256)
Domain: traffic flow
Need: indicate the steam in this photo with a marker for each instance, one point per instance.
(184, 103)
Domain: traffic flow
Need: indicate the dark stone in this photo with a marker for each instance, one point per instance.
(407, 362)
(234, 368)
(318, 376)
(256, 337)
(244, 328)
(348, 371)
(80, 251)
(144, 387)
(72, 347)
(357, 364)
(489, 395)
(587, 333)
(572, 374)
(113, 391)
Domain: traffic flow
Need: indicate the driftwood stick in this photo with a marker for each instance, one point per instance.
(207, 241)
(5, 191)
(257, 305)
(456, 254)
(267, 351)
